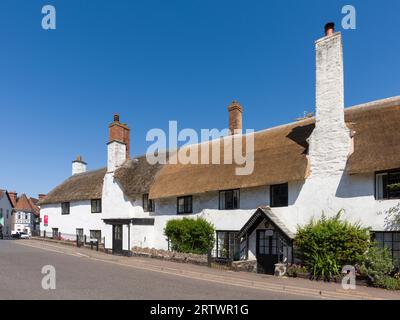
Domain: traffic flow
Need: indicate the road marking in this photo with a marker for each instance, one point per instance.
(249, 284)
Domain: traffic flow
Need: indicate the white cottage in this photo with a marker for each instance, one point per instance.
(6, 207)
(340, 159)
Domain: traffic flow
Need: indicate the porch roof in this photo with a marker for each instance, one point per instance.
(261, 214)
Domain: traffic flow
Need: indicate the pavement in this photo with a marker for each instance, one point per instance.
(85, 274)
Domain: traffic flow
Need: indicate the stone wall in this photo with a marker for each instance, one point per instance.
(171, 255)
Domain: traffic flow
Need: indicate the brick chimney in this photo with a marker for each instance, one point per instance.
(330, 140)
(235, 117)
(42, 196)
(119, 144)
(78, 166)
(13, 196)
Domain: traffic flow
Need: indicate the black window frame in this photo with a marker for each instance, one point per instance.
(148, 204)
(392, 248)
(187, 209)
(65, 208)
(387, 194)
(98, 206)
(223, 206)
(231, 244)
(91, 232)
(280, 203)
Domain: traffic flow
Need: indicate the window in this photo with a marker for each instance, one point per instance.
(391, 240)
(148, 204)
(267, 242)
(229, 199)
(96, 206)
(1, 212)
(387, 185)
(55, 233)
(279, 195)
(185, 205)
(228, 246)
(19, 216)
(26, 216)
(79, 234)
(95, 234)
(65, 208)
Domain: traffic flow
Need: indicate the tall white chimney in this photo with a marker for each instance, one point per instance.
(330, 140)
(78, 166)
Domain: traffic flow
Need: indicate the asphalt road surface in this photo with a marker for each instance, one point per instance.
(81, 277)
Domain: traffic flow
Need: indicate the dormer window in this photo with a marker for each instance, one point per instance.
(148, 204)
(387, 185)
(96, 205)
(185, 205)
(65, 208)
(229, 199)
(279, 195)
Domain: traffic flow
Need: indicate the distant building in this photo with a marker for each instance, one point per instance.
(26, 215)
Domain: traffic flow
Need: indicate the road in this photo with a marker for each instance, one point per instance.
(80, 277)
(86, 274)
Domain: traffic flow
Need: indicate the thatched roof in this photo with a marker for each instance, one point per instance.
(377, 136)
(83, 186)
(136, 176)
(279, 156)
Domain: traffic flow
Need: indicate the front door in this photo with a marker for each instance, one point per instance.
(267, 251)
(117, 239)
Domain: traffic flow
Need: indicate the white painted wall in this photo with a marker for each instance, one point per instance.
(80, 217)
(78, 167)
(6, 210)
(116, 155)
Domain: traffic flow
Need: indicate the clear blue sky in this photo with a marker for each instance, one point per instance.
(155, 61)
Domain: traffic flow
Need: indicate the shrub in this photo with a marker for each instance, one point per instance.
(328, 244)
(387, 282)
(190, 235)
(377, 264)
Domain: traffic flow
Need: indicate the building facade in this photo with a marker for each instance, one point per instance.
(6, 213)
(26, 215)
(342, 159)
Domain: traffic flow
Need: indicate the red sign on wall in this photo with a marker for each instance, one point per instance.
(46, 220)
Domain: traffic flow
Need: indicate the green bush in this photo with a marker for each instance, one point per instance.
(190, 235)
(328, 244)
(323, 266)
(387, 282)
(377, 264)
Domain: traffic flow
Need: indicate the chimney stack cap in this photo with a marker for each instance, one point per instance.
(235, 106)
(116, 117)
(79, 159)
(329, 29)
